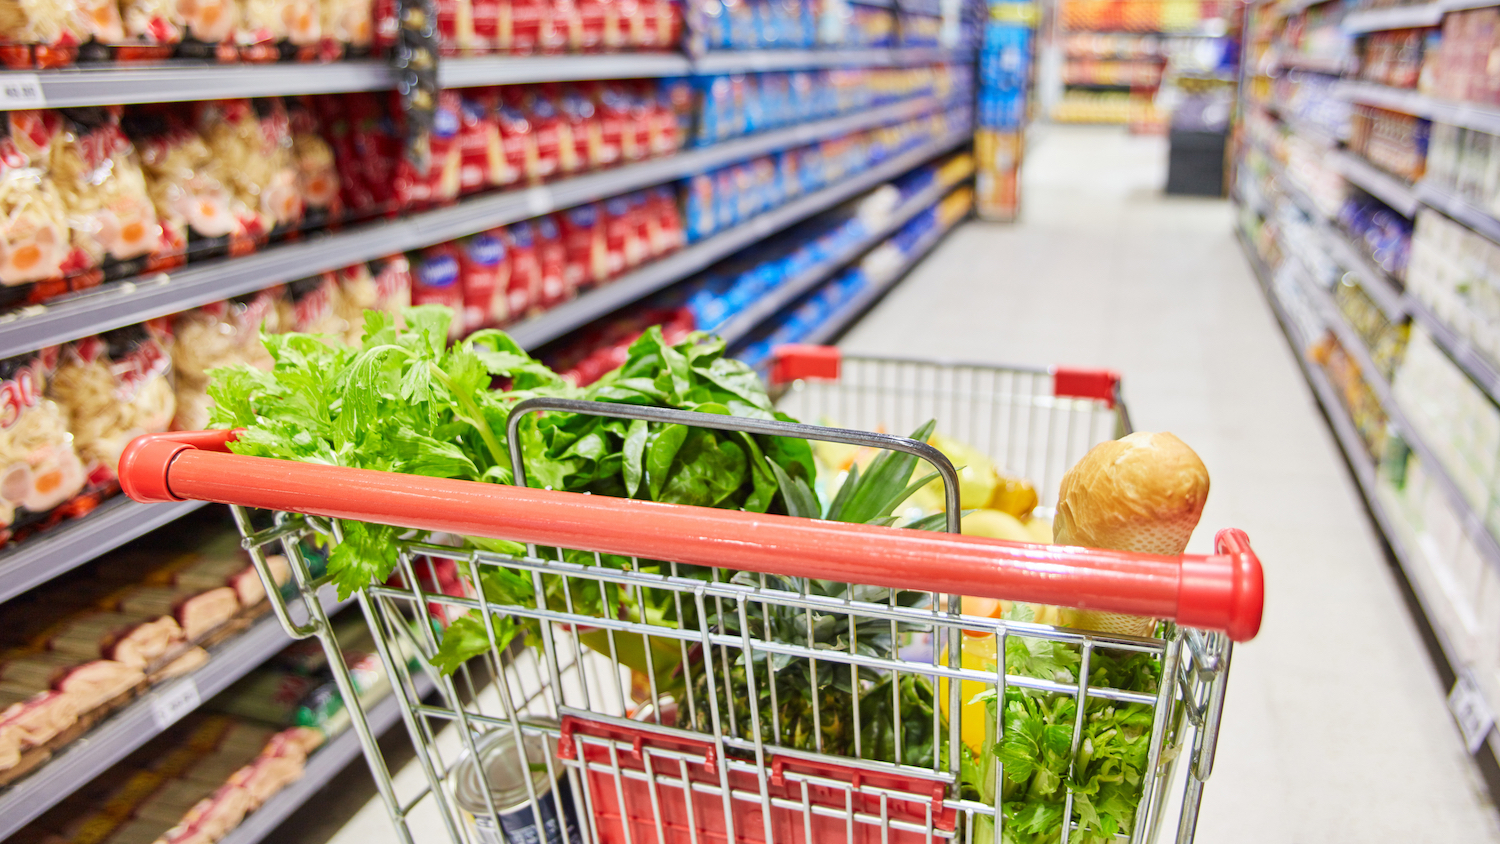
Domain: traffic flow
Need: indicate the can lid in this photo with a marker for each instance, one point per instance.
(504, 770)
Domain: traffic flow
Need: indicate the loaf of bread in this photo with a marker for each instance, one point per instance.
(1142, 493)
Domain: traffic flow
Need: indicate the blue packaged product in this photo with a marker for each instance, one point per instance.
(724, 198)
(700, 210)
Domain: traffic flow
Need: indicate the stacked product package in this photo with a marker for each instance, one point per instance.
(1004, 79)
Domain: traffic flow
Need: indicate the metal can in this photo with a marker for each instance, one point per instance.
(505, 771)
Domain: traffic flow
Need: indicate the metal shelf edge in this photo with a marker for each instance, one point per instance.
(131, 302)
(1459, 209)
(739, 327)
(323, 765)
(854, 308)
(138, 722)
(71, 544)
(1397, 17)
(1381, 185)
(1473, 362)
(673, 268)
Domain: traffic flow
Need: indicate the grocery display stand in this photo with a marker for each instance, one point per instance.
(1280, 220)
(132, 301)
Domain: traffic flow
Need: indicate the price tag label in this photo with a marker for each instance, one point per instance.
(169, 705)
(538, 201)
(1472, 711)
(21, 90)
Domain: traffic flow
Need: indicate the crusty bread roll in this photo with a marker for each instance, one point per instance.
(1142, 493)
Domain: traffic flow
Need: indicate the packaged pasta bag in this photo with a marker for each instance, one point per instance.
(103, 188)
(34, 240)
(317, 167)
(481, 153)
(54, 33)
(317, 305)
(251, 141)
(220, 334)
(113, 388)
(272, 30)
(153, 29)
(39, 469)
(196, 206)
(208, 28)
(348, 25)
(380, 285)
(455, 19)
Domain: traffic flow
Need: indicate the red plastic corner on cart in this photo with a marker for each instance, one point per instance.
(1098, 384)
(621, 798)
(795, 362)
(146, 459)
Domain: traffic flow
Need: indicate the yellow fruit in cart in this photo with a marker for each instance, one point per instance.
(996, 525)
(1040, 530)
(978, 654)
(1015, 496)
(977, 477)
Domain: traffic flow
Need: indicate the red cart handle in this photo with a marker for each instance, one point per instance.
(1224, 591)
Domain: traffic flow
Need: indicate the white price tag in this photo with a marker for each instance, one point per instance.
(168, 706)
(538, 201)
(1471, 711)
(21, 90)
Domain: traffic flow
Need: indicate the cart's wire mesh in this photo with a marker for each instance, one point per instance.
(697, 704)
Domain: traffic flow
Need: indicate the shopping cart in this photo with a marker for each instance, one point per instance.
(694, 675)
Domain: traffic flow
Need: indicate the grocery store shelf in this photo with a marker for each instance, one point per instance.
(659, 274)
(852, 310)
(323, 765)
(41, 557)
(1211, 28)
(1376, 182)
(129, 728)
(737, 328)
(1292, 7)
(1409, 555)
(182, 81)
(127, 303)
(1396, 17)
(463, 72)
(1482, 118)
(1380, 287)
(744, 61)
(1317, 64)
(1474, 363)
(1459, 209)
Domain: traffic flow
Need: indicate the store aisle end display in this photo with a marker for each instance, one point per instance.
(1006, 70)
(1365, 183)
(182, 185)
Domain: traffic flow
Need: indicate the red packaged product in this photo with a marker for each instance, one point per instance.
(481, 156)
(526, 20)
(34, 239)
(551, 256)
(443, 177)
(613, 114)
(483, 274)
(563, 28)
(547, 130)
(578, 129)
(437, 282)
(623, 243)
(668, 217)
(592, 15)
(486, 17)
(524, 290)
(583, 246)
(317, 168)
(517, 139)
(455, 27)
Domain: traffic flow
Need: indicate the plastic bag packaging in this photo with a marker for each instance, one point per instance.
(380, 285)
(190, 186)
(252, 141)
(48, 33)
(114, 388)
(279, 29)
(152, 23)
(103, 188)
(317, 306)
(349, 24)
(34, 241)
(39, 468)
(317, 168)
(221, 334)
(209, 28)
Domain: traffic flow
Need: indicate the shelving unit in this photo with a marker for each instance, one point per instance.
(1376, 182)
(322, 766)
(116, 305)
(67, 546)
(1422, 560)
(596, 303)
(127, 303)
(181, 81)
(142, 720)
(855, 308)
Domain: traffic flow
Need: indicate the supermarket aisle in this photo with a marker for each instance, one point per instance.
(1335, 729)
